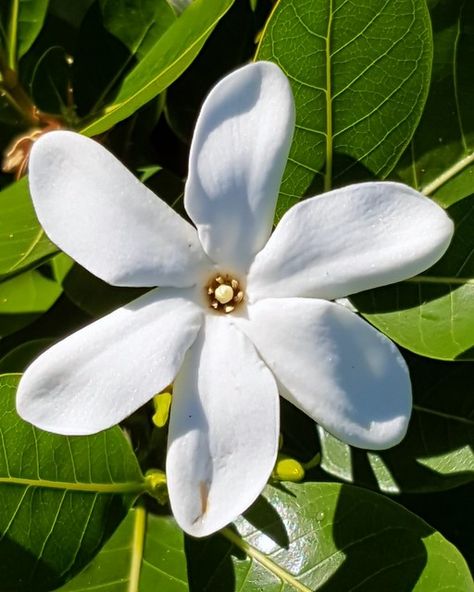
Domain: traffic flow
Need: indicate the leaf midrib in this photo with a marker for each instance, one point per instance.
(124, 487)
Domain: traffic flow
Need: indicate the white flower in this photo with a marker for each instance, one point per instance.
(242, 316)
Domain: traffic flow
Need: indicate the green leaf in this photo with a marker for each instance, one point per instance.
(114, 36)
(22, 21)
(162, 65)
(30, 20)
(331, 537)
(60, 497)
(23, 243)
(146, 553)
(360, 76)
(436, 454)
(24, 298)
(440, 158)
(432, 314)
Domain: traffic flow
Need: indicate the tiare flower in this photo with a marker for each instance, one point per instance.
(241, 315)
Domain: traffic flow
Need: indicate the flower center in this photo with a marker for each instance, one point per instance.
(224, 293)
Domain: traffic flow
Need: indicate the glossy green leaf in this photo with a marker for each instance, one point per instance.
(331, 537)
(440, 158)
(145, 554)
(162, 65)
(360, 76)
(23, 243)
(114, 36)
(23, 298)
(60, 497)
(438, 450)
(433, 313)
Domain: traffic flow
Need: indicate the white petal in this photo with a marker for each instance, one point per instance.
(101, 374)
(335, 367)
(349, 240)
(97, 212)
(223, 433)
(239, 150)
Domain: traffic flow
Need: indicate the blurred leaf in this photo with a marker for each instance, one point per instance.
(229, 45)
(61, 497)
(444, 140)
(168, 58)
(94, 296)
(24, 298)
(20, 357)
(146, 553)
(23, 243)
(432, 314)
(438, 450)
(114, 36)
(331, 537)
(360, 76)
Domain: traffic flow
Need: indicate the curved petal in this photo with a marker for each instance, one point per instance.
(93, 379)
(335, 367)
(239, 150)
(348, 240)
(223, 433)
(97, 212)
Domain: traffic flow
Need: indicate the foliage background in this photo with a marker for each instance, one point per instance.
(383, 89)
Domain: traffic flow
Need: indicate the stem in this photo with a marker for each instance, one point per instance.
(329, 123)
(128, 487)
(433, 279)
(138, 544)
(13, 35)
(265, 561)
(448, 174)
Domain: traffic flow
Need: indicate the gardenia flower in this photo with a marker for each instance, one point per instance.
(240, 316)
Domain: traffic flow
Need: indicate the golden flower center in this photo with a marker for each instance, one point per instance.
(224, 293)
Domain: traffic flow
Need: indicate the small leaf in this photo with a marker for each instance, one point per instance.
(432, 314)
(60, 497)
(23, 243)
(436, 454)
(360, 76)
(162, 65)
(440, 158)
(331, 537)
(146, 553)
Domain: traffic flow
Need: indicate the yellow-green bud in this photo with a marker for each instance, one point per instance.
(288, 469)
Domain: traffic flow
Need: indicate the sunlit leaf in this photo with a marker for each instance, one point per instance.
(145, 554)
(23, 243)
(433, 313)
(440, 159)
(324, 536)
(60, 497)
(162, 65)
(23, 298)
(360, 76)
(438, 451)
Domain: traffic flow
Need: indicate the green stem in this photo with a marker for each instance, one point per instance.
(264, 560)
(13, 35)
(329, 122)
(448, 174)
(433, 279)
(128, 487)
(138, 544)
